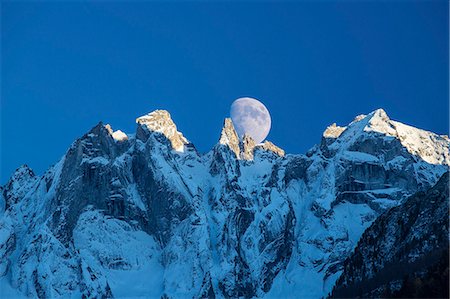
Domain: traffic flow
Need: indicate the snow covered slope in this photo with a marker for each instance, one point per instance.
(407, 241)
(146, 215)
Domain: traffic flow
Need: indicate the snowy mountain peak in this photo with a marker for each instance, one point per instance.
(333, 131)
(379, 113)
(117, 135)
(430, 147)
(244, 149)
(160, 121)
(270, 147)
(229, 137)
(23, 172)
(379, 121)
(18, 185)
(359, 117)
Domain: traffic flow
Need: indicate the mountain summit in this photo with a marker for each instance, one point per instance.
(160, 121)
(146, 215)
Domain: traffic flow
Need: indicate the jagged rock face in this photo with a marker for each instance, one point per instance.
(270, 147)
(18, 185)
(229, 137)
(407, 239)
(148, 215)
(87, 178)
(244, 149)
(417, 142)
(248, 146)
(161, 122)
(333, 131)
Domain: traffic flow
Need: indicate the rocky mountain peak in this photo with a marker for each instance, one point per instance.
(430, 147)
(333, 131)
(229, 137)
(269, 146)
(24, 172)
(244, 149)
(379, 121)
(380, 113)
(359, 117)
(247, 147)
(21, 176)
(160, 121)
(376, 128)
(18, 185)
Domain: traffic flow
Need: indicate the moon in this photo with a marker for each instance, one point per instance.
(252, 117)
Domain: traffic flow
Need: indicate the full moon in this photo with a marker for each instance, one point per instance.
(251, 117)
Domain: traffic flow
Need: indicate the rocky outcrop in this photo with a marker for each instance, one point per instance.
(333, 131)
(248, 146)
(18, 185)
(270, 147)
(229, 137)
(244, 149)
(160, 121)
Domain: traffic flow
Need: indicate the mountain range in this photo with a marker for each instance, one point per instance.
(145, 215)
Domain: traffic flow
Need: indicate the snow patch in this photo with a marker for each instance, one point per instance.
(129, 259)
(119, 135)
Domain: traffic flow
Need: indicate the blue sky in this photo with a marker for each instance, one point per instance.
(66, 66)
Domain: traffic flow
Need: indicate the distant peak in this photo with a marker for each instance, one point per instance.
(157, 117)
(229, 137)
(18, 185)
(23, 171)
(379, 114)
(379, 121)
(160, 121)
(269, 146)
(245, 148)
(333, 131)
(359, 118)
(117, 135)
(432, 148)
(109, 128)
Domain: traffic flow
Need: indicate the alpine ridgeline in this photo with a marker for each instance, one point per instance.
(147, 215)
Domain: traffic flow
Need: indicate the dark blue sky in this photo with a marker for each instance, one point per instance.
(66, 66)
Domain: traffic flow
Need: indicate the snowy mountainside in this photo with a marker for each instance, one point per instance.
(243, 220)
(407, 241)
